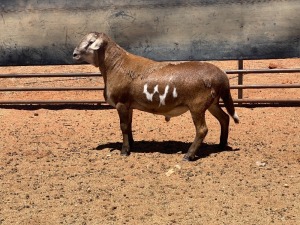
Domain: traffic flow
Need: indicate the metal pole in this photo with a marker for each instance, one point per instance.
(51, 75)
(83, 101)
(255, 71)
(52, 89)
(264, 86)
(47, 102)
(240, 78)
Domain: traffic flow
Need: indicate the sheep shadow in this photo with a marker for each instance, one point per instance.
(167, 147)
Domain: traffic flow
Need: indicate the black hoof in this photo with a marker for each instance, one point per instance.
(125, 153)
(188, 158)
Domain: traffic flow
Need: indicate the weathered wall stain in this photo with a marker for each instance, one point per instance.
(45, 32)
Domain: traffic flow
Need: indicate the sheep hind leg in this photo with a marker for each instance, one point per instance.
(130, 136)
(201, 131)
(223, 119)
(125, 116)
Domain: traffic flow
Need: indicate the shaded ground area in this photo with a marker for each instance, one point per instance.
(63, 166)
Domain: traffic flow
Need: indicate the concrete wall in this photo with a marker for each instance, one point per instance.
(34, 32)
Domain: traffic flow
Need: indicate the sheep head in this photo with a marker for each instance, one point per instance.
(88, 48)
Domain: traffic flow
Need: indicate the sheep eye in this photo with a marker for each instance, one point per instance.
(89, 44)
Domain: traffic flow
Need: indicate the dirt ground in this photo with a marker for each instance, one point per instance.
(64, 166)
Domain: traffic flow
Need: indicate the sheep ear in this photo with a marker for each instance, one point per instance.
(97, 44)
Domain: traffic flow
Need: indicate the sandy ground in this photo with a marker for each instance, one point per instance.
(64, 167)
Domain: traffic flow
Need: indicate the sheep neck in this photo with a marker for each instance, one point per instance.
(113, 59)
(119, 62)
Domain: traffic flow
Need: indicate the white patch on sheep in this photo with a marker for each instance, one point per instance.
(162, 98)
(149, 95)
(175, 94)
(236, 118)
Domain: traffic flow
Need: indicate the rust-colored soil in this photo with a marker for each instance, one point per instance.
(64, 167)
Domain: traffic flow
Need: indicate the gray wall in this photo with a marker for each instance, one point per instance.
(46, 31)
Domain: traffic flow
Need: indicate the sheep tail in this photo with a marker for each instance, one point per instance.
(228, 102)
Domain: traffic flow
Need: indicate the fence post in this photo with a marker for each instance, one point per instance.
(240, 78)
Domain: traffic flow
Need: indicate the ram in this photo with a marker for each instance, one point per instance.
(166, 88)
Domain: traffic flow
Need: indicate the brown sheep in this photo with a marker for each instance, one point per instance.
(166, 88)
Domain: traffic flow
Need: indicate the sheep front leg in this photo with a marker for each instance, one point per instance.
(201, 131)
(125, 116)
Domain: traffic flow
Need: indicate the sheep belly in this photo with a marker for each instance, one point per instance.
(175, 112)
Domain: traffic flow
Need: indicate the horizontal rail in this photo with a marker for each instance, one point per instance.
(239, 102)
(266, 101)
(44, 102)
(33, 102)
(257, 86)
(33, 75)
(252, 86)
(52, 89)
(244, 71)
